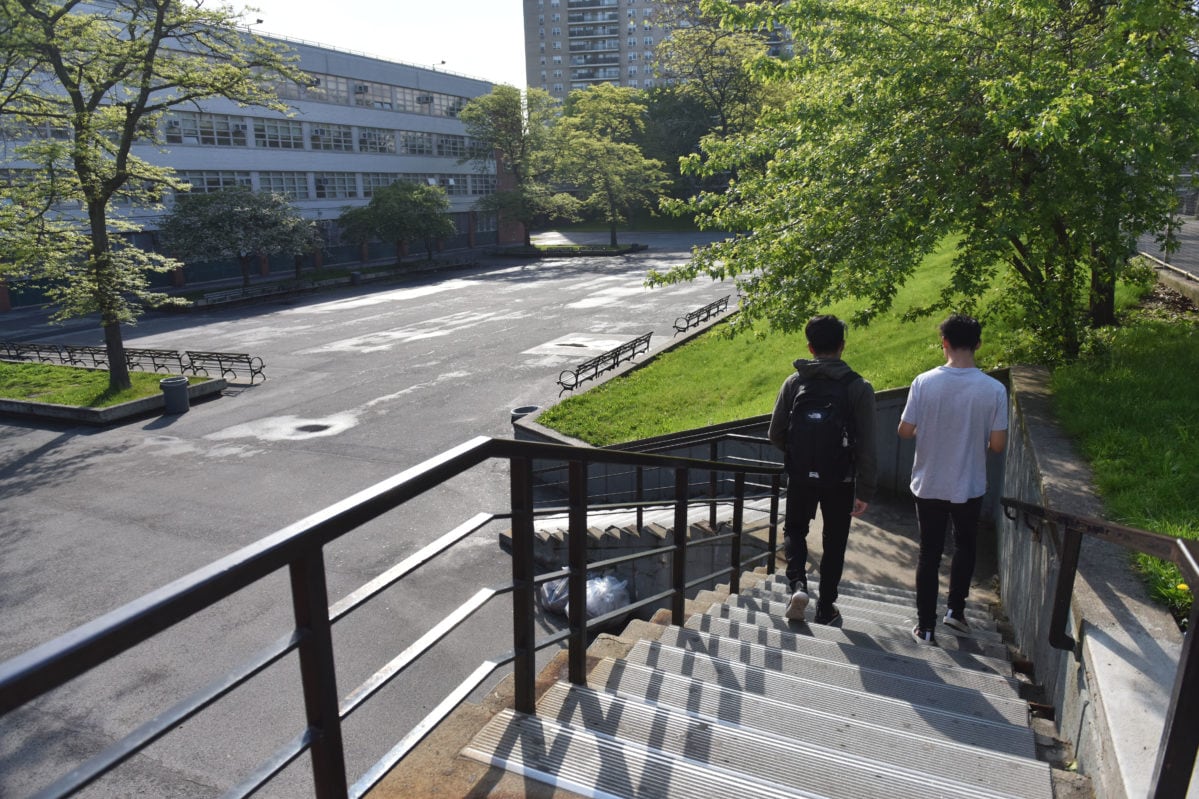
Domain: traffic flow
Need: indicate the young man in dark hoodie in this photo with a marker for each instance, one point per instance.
(838, 501)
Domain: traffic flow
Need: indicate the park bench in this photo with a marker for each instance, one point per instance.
(227, 363)
(688, 321)
(26, 351)
(594, 367)
(148, 360)
(77, 355)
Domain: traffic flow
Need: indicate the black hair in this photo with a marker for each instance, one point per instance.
(826, 334)
(962, 332)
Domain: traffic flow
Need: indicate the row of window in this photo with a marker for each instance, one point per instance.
(323, 88)
(332, 185)
(225, 130)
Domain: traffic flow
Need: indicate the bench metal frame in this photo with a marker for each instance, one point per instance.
(592, 368)
(684, 323)
(229, 363)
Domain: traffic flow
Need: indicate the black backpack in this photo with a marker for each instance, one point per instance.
(821, 431)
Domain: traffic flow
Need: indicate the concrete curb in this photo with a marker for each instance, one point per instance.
(105, 416)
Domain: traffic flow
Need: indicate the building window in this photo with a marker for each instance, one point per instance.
(332, 137)
(376, 140)
(373, 181)
(281, 134)
(454, 185)
(368, 94)
(293, 185)
(336, 185)
(207, 181)
(329, 89)
(414, 142)
(451, 146)
(632, 71)
(221, 130)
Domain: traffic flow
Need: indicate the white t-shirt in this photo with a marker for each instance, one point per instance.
(955, 411)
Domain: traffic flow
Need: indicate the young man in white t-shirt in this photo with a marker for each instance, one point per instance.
(956, 413)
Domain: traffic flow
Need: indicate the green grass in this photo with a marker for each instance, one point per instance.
(1132, 406)
(67, 385)
(718, 379)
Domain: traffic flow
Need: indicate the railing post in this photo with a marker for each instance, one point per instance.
(576, 581)
(1180, 737)
(776, 484)
(640, 497)
(713, 486)
(678, 572)
(523, 629)
(1059, 638)
(310, 603)
(738, 522)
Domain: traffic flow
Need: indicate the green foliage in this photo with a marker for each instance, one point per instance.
(84, 83)
(1134, 411)
(401, 212)
(1045, 135)
(236, 223)
(67, 385)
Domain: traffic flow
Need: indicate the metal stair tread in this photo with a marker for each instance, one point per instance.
(795, 655)
(584, 762)
(891, 619)
(777, 589)
(750, 626)
(648, 683)
(755, 749)
(920, 694)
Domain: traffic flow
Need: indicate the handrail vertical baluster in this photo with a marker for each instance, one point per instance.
(577, 579)
(523, 628)
(318, 677)
(738, 524)
(640, 497)
(678, 574)
(776, 484)
(713, 486)
(1059, 637)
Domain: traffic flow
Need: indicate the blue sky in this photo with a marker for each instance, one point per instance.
(480, 38)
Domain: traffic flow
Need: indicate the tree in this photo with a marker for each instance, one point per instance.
(86, 82)
(515, 136)
(598, 156)
(1044, 135)
(401, 212)
(236, 223)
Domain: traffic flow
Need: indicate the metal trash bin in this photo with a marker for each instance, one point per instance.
(174, 394)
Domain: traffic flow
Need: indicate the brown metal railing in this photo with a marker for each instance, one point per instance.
(299, 549)
(1180, 734)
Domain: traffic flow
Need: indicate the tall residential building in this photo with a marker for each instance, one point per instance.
(572, 44)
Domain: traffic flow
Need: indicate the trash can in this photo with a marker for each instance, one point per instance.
(355, 278)
(523, 411)
(174, 394)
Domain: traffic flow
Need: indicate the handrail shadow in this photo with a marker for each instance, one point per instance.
(299, 548)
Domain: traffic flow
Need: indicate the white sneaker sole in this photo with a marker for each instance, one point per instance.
(797, 606)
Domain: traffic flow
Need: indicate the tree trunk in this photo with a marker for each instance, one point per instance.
(243, 261)
(612, 234)
(118, 368)
(106, 288)
(1103, 296)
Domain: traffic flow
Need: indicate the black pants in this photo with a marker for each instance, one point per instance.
(933, 517)
(836, 503)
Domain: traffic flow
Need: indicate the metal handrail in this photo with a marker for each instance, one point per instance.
(299, 548)
(1180, 735)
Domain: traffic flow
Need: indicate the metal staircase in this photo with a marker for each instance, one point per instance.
(742, 702)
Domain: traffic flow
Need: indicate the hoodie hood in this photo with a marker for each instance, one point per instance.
(827, 367)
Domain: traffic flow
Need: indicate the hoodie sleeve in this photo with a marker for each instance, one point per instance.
(777, 432)
(866, 456)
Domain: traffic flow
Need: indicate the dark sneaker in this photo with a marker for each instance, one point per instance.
(798, 606)
(827, 614)
(957, 621)
(924, 636)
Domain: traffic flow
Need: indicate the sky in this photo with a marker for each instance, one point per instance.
(480, 38)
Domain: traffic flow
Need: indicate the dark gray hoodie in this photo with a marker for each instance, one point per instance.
(861, 397)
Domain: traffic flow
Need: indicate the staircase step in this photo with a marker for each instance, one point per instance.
(853, 645)
(733, 698)
(921, 694)
(886, 602)
(595, 765)
(750, 610)
(842, 760)
(983, 625)
(902, 596)
(802, 657)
